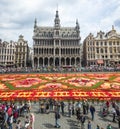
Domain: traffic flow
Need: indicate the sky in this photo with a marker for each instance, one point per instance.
(17, 16)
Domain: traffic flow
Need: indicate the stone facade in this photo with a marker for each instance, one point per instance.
(104, 49)
(22, 52)
(56, 46)
(7, 53)
(14, 54)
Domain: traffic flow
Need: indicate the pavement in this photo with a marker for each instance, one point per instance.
(47, 121)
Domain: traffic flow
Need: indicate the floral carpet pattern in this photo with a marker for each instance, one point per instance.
(60, 86)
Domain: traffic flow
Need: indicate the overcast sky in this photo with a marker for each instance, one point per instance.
(17, 16)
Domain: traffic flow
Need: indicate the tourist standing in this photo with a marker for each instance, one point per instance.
(10, 121)
(19, 126)
(82, 118)
(62, 107)
(119, 121)
(89, 125)
(92, 111)
(69, 109)
(32, 119)
(27, 122)
(57, 117)
(98, 127)
(109, 126)
(114, 113)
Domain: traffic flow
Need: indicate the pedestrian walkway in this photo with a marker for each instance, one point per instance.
(47, 121)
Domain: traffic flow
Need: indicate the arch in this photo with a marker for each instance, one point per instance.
(41, 61)
(62, 61)
(51, 61)
(46, 61)
(57, 61)
(67, 61)
(77, 61)
(35, 62)
(57, 51)
(72, 61)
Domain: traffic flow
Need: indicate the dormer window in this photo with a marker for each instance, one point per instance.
(101, 36)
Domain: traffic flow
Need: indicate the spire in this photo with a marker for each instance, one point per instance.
(57, 20)
(77, 25)
(35, 23)
(112, 27)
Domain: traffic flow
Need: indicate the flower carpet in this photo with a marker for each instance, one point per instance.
(60, 86)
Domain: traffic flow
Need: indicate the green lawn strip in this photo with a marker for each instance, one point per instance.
(10, 86)
(96, 85)
(112, 78)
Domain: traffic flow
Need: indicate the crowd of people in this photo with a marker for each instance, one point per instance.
(80, 110)
(11, 113)
(45, 69)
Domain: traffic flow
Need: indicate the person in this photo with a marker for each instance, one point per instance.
(114, 113)
(69, 109)
(92, 111)
(32, 120)
(107, 105)
(82, 118)
(62, 107)
(119, 121)
(10, 121)
(29, 106)
(27, 122)
(98, 127)
(2, 118)
(89, 125)
(57, 117)
(87, 107)
(19, 126)
(109, 126)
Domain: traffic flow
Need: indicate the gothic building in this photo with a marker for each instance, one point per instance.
(104, 49)
(56, 46)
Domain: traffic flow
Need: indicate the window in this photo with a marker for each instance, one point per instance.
(57, 42)
(110, 43)
(105, 43)
(101, 50)
(114, 50)
(97, 43)
(101, 43)
(105, 50)
(110, 50)
(117, 42)
(97, 50)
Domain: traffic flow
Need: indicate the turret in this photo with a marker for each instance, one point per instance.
(35, 23)
(77, 25)
(77, 28)
(57, 20)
